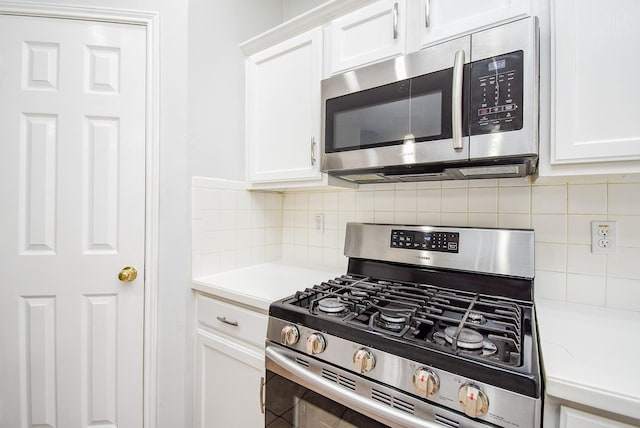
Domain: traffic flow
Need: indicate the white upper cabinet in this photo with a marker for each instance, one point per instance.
(390, 28)
(283, 110)
(370, 34)
(594, 87)
(445, 19)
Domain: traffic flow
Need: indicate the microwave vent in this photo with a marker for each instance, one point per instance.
(422, 177)
(515, 170)
(364, 178)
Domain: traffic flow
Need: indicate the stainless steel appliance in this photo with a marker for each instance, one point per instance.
(467, 108)
(429, 327)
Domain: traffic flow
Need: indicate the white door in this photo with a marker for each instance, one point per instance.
(72, 170)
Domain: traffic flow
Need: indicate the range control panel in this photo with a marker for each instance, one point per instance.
(496, 94)
(446, 242)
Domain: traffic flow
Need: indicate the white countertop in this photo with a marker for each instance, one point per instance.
(590, 355)
(259, 285)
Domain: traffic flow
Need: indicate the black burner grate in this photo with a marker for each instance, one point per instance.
(422, 313)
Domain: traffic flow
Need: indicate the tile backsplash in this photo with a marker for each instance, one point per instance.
(233, 227)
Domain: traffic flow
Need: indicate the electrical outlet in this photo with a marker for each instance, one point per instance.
(603, 237)
(318, 222)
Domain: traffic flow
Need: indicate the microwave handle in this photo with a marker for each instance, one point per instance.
(456, 100)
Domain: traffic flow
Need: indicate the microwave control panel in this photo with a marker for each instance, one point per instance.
(496, 94)
(446, 242)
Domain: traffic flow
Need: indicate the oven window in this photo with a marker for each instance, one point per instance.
(291, 405)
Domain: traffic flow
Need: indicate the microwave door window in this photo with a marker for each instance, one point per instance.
(370, 118)
(426, 115)
(431, 106)
(371, 126)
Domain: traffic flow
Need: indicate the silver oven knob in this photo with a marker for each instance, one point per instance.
(315, 344)
(426, 382)
(474, 402)
(364, 361)
(289, 335)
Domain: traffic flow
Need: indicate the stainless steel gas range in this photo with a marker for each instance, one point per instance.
(429, 327)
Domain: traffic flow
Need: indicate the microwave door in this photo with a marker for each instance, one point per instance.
(439, 107)
(403, 123)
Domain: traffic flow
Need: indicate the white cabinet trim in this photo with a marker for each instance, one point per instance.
(317, 16)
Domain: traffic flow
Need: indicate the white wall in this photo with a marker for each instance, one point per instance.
(216, 80)
(293, 8)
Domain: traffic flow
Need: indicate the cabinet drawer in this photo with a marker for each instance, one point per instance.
(233, 320)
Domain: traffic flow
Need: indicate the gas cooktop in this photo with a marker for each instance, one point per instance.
(451, 307)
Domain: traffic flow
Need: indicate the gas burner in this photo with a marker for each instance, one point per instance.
(394, 319)
(476, 318)
(390, 322)
(331, 305)
(467, 339)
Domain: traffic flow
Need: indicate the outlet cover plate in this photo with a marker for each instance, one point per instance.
(603, 237)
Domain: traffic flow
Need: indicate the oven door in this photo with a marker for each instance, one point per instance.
(299, 397)
(289, 404)
(405, 111)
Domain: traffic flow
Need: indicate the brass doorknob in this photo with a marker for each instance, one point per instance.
(128, 274)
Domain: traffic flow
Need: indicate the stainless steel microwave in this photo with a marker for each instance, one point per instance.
(463, 109)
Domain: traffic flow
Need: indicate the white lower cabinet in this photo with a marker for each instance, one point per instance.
(572, 418)
(229, 364)
(228, 382)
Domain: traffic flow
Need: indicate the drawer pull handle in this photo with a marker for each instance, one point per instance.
(226, 321)
(427, 13)
(395, 20)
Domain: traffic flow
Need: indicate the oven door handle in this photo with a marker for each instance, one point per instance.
(356, 402)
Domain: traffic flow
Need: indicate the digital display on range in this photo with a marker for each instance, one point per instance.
(447, 242)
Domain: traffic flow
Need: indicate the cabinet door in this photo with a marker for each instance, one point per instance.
(283, 110)
(228, 383)
(571, 418)
(367, 35)
(445, 19)
(594, 83)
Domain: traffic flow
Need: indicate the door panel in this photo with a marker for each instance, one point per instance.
(72, 181)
